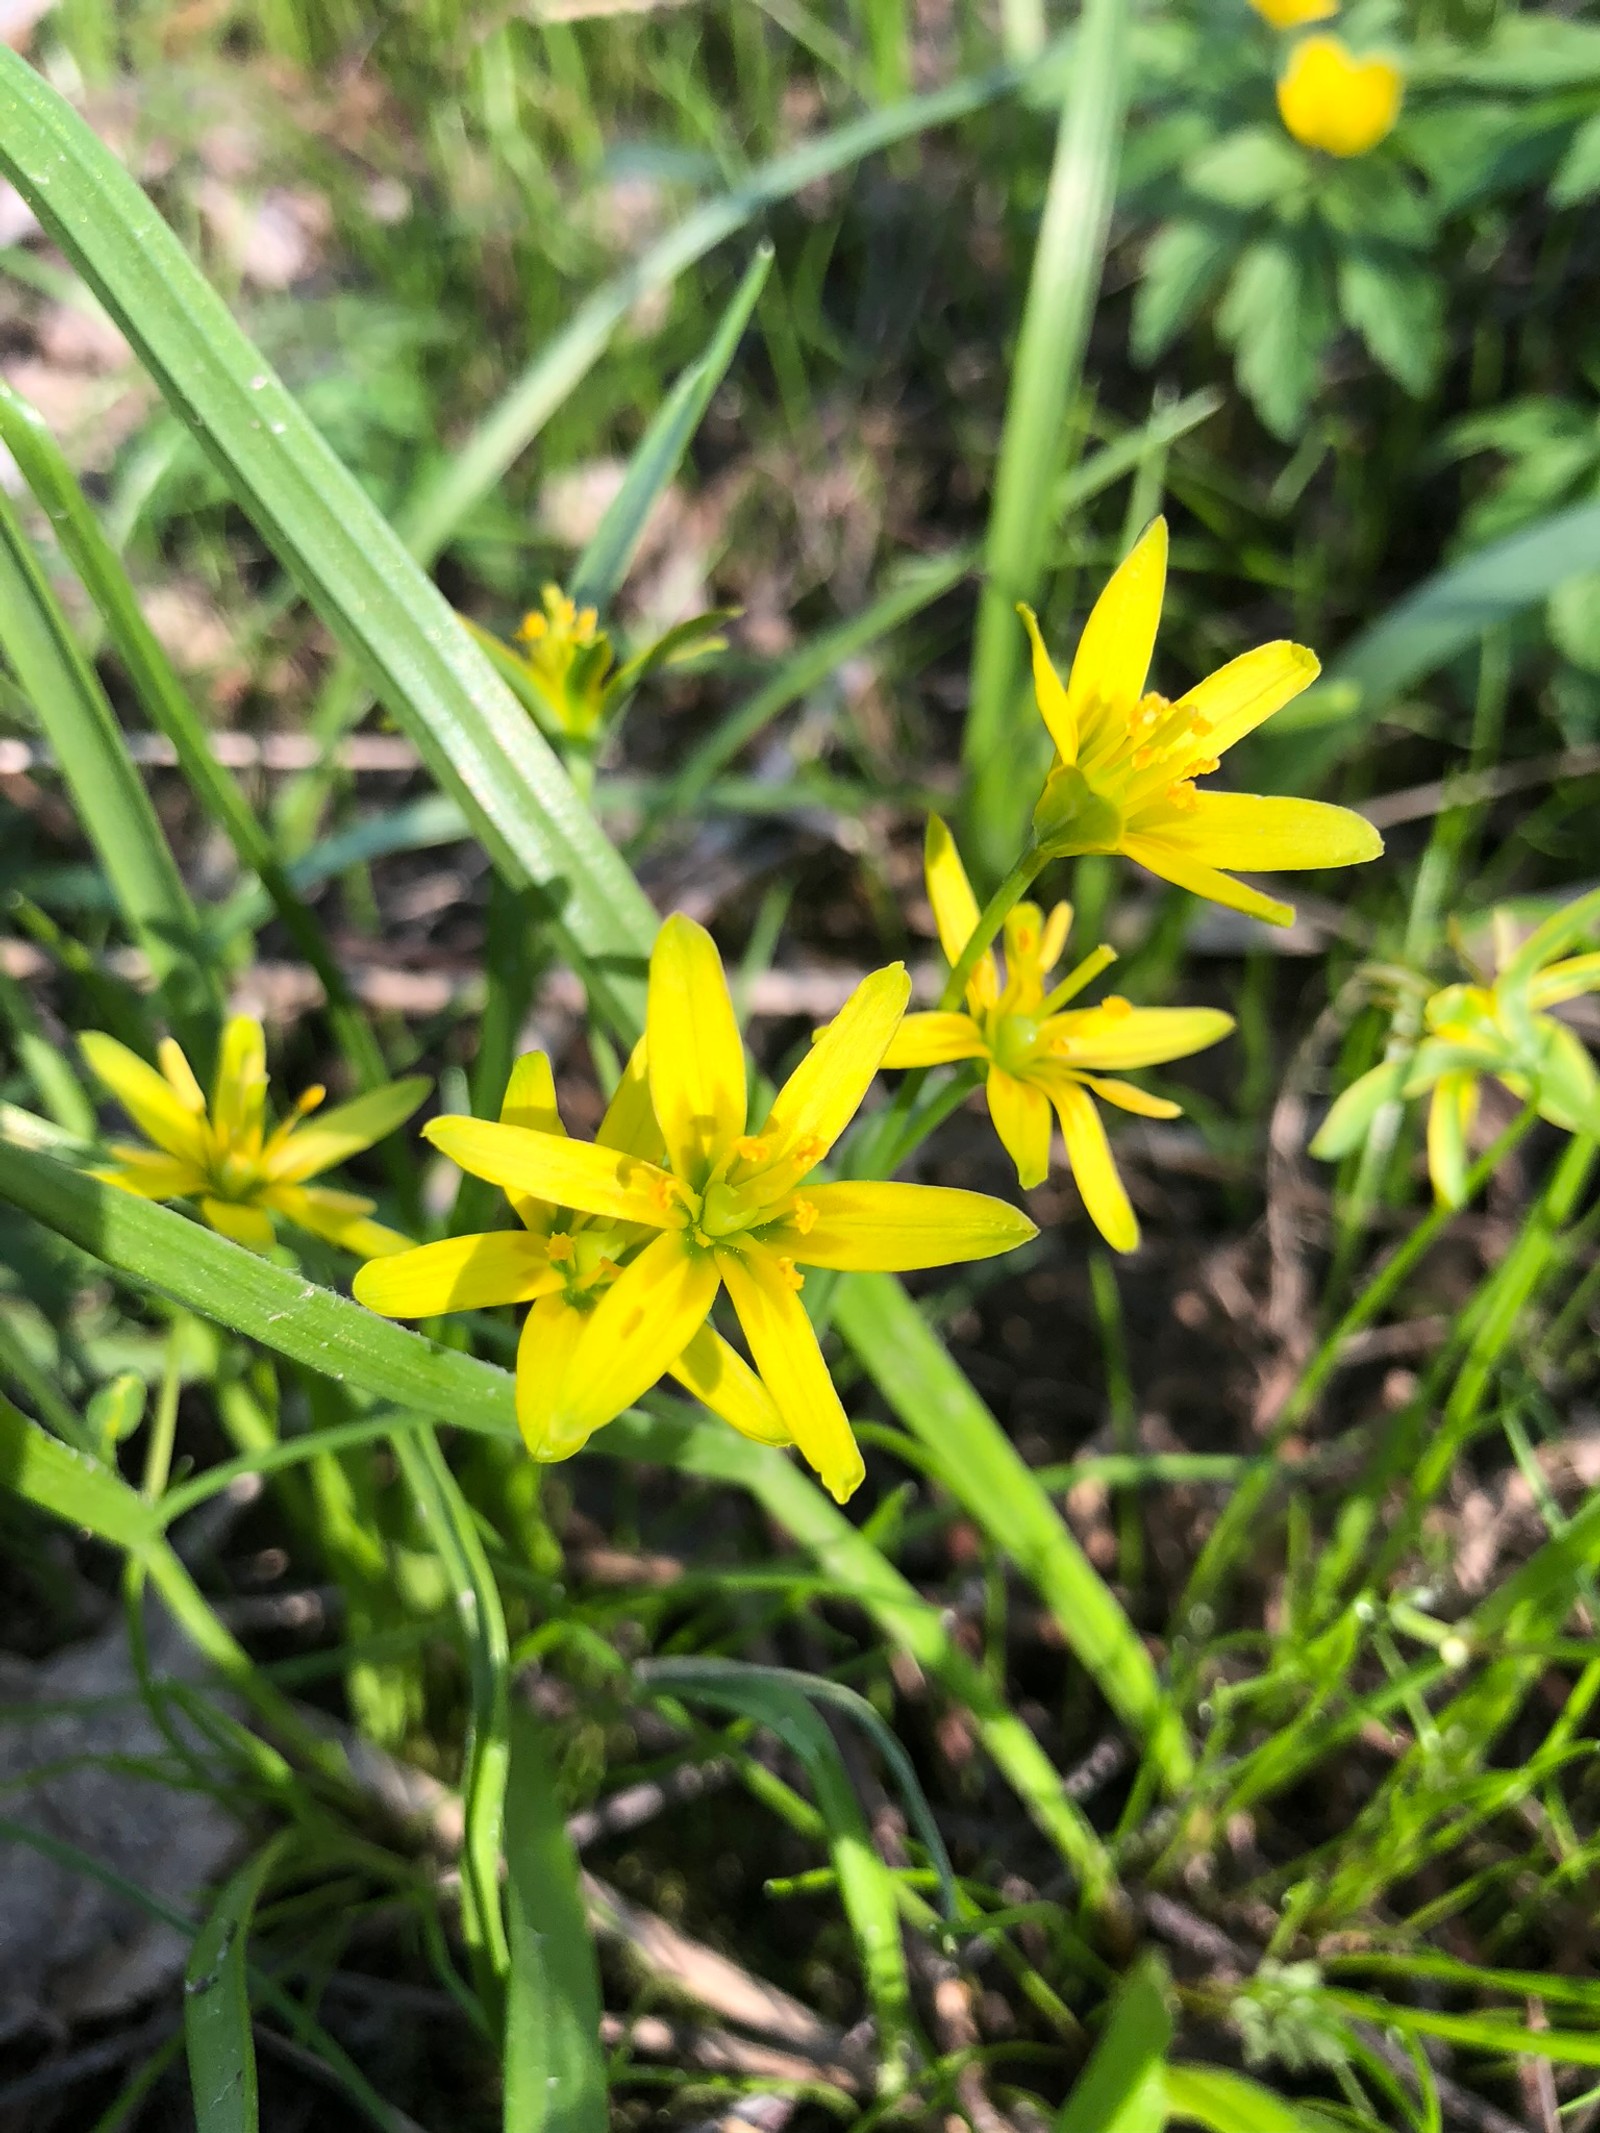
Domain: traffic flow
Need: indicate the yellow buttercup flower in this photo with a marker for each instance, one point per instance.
(561, 1264)
(1329, 99)
(1294, 14)
(1503, 1029)
(723, 1207)
(1127, 760)
(1038, 1057)
(241, 1169)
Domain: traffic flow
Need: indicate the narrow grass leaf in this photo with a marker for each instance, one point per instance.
(554, 2067)
(216, 2004)
(1225, 2102)
(1122, 2089)
(604, 563)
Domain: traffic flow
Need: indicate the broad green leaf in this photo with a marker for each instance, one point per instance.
(1276, 316)
(1185, 263)
(1121, 2089)
(1578, 174)
(1394, 301)
(216, 2004)
(554, 2068)
(981, 1467)
(604, 563)
(421, 663)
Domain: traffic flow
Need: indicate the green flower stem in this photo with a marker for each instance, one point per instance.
(993, 916)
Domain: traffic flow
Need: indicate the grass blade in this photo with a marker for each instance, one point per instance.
(422, 664)
(216, 2004)
(604, 563)
(1046, 371)
(1121, 2090)
(555, 2075)
(111, 803)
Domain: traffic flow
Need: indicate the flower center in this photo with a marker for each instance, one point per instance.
(1014, 1041)
(724, 1210)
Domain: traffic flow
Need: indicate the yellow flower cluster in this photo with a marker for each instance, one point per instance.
(1328, 98)
(1504, 1029)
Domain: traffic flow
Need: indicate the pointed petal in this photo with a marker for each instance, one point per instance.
(530, 1098)
(1048, 692)
(955, 911)
(1132, 1036)
(179, 1076)
(1350, 1117)
(1217, 888)
(342, 1218)
(696, 1056)
(548, 1166)
(1021, 1115)
(1450, 1115)
(550, 1333)
(249, 1226)
(721, 1379)
(346, 1130)
(1112, 662)
(458, 1274)
(147, 1097)
(1089, 1153)
(630, 1120)
(1249, 690)
(1056, 928)
(1265, 833)
(150, 1174)
(239, 1094)
(893, 1228)
(1128, 1096)
(934, 1040)
(790, 1362)
(1565, 981)
(636, 1332)
(825, 1090)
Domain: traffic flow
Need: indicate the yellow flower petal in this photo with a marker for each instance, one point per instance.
(630, 1120)
(342, 1218)
(786, 1354)
(1089, 1153)
(1249, 690)
(1056, 928)
(934, 1040)
(147, 1097)
(892, 1228)
(1266, 833)
(239, 1094)
(550, 1333)
(149, 1174)
(458, 1274)
(1185, 872)
(1021, 1115)
(1330, 100)
(696, 1056)
(721, 1379)
(1565, 981)
(1096, 1037)
(1294, 14)
(530, 1098)
(636, 1332)
(1048, 692)
(179, 1076)
(824, 1092)
(1128, 1096)
(955, 911)
(548, 1166)
(248, 1226)
(345, 1130)
(1112, 662)
(1450, 1116)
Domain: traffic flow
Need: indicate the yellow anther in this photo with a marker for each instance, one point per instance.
(1116, 1006)
(560, 1248)
(608, 1267)
(750, 1147)
(803, 1215)
(308, 1099)
(790, 1274)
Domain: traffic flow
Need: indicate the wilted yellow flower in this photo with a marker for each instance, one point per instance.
(1331, 100)
(1503, 1029)
(1126, 761)
(561, 1263)
(1039, 1057)
(241, 1170)
(1295, 14)
(723, 1208)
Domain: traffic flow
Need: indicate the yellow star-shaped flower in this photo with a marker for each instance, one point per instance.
(1039, 1057)
(1504, 1030)
(1126, 759)
(225, 1155)
(724, 1209)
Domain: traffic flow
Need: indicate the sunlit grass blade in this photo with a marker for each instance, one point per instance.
(165, 1254)
(110, 800)
(1045, 375)
(604, 563)
(216, 2004)
(472, 734)
(1120, 2090)
(981, 1467)
(554, 2068)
